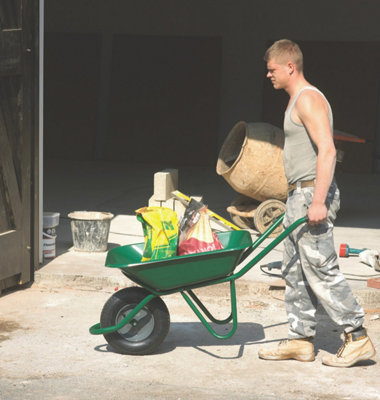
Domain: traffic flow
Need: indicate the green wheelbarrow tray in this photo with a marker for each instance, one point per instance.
(185, 273)
(180, 271)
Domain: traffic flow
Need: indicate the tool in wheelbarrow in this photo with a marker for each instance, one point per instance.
(135, 320)
(181, 196)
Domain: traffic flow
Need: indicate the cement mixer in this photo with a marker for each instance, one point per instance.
(250, 160)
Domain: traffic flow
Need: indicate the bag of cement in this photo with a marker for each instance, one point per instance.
(160, 226)
(195, 233)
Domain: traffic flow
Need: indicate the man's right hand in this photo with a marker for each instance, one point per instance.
(317, 213)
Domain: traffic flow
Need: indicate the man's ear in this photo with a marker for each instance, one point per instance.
(291, 68)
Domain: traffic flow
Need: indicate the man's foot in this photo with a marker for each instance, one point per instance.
(297, 349)
(357, 346)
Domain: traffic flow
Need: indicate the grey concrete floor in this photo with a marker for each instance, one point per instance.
(47, 353)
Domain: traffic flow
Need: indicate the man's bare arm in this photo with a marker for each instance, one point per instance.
(312, 110)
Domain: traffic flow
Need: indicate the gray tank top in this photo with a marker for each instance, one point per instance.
(300, 153)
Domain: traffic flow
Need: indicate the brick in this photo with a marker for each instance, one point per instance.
(154, 203)
(374, 283)
(165, 182)
(179, 208)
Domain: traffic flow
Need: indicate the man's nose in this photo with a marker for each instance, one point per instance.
(269, 74)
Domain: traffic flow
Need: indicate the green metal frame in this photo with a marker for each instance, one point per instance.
(98, 330)
(194, 302)
(233, 315)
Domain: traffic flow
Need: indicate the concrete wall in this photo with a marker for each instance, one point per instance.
(245, 27)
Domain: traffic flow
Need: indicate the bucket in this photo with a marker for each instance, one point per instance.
(90, 230)
(250, 160)
(50, 222)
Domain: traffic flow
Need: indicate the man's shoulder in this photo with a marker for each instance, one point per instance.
(310, 97)
(311, 92)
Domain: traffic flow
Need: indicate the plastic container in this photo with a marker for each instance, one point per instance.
(50, 222)
(250, 160)
(90, 230)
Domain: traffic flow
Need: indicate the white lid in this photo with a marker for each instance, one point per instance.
(50, 219)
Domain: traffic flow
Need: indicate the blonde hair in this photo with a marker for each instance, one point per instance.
(285, 50)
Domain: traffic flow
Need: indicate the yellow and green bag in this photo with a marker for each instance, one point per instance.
(160, 226)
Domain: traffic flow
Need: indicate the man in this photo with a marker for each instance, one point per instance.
(310, 266)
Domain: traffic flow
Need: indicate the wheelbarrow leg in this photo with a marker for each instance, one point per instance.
(206, 311)
(232, 317)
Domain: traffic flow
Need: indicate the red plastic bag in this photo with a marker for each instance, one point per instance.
(197, 236)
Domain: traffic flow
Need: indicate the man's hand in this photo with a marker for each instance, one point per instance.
(317, 213)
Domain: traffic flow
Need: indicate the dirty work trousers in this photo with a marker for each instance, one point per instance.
(311, 272)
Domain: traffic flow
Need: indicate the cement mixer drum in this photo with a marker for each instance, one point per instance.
(250, 160)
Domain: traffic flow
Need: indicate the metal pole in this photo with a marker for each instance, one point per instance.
(41, 124)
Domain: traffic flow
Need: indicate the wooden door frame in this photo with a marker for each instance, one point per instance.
(32, 23)
(31, 29)
(38, 139)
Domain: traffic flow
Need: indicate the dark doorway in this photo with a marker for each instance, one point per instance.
(162, 101)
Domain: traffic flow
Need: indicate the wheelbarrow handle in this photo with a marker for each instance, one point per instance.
(270, 246)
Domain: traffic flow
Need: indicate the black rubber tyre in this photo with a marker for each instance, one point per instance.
(145, 332)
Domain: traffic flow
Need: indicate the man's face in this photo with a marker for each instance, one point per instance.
(278, 74)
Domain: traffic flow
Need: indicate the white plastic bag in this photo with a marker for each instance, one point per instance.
(370, 257)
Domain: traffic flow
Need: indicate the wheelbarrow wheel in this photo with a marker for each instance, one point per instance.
(267, 213)
(145, 332)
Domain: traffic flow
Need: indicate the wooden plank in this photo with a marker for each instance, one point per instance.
(10, 52)
(10, 13)
(6, 218)
(11, 188)
(10, 261)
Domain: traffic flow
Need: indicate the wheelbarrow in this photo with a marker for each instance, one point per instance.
(135, 320)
